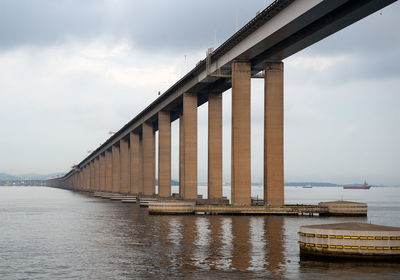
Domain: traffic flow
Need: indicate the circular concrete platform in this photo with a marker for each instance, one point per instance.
(350, 240)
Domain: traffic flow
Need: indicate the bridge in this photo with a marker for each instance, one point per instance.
(125, 163)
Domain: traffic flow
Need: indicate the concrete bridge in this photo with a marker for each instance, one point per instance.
(126, 162)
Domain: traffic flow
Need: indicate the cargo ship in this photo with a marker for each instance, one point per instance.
(366, 186)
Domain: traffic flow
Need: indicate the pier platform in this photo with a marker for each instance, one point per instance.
(344, 208)
(350, 240)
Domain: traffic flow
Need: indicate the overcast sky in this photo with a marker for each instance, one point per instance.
(72, 70)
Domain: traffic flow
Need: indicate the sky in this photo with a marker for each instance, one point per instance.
(71, 71)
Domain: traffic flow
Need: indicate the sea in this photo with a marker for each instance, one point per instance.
(50, 233)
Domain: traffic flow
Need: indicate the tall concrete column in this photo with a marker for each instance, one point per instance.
(102, 171)
(148, 159)
(181, 158)
(79, 186)
(91, 175)
(96, 174)
(135, 163)
(215, 146)
(109, 164)
(87, 175)
(190, 145)
(141, 160)
(273, 134)
(81, 179)
(84, 173)
(116, 169)
(125, 167)
(164, 154)
(241, 157)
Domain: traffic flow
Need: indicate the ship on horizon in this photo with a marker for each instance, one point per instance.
(365, 186)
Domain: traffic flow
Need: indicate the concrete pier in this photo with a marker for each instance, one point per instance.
(116, 168)
(125, 164)
(350, 240)
(167, 207)
(149, 171)
(189, 148)
(215, 146)
(108, 177)
(273, 134)
(134, 140)
(102, 171)
(181, 158)
(164, 154)
(241, 158)
(96, 174)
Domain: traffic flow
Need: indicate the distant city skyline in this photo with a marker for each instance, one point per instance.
(71, 71)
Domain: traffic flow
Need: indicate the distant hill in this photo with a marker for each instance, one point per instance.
(8, 177)
(4, 177)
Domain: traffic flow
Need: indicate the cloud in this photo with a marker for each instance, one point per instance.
(173, 26)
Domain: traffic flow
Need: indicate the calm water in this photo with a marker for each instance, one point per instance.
(50, 233)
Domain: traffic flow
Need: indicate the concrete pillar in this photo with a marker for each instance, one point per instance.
(215, 146)
(141, 159)
(81, 179)
(135, 162)
(148, 159)
(241, 157)
(125, 167)
(164, 154)
(116, 169)
(108, 157)
(181, 158)
(87, 177)
(96, 174)
(102, 172)
(273, 134)
(190, 145)
(92, 175)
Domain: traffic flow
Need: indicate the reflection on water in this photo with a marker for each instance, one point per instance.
(56, 234)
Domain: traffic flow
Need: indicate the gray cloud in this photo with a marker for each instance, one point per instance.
(157, 25)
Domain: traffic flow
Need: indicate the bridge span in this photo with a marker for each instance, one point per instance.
(125, 163)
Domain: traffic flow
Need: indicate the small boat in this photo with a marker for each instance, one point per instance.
(365, 186)
(307, 187)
